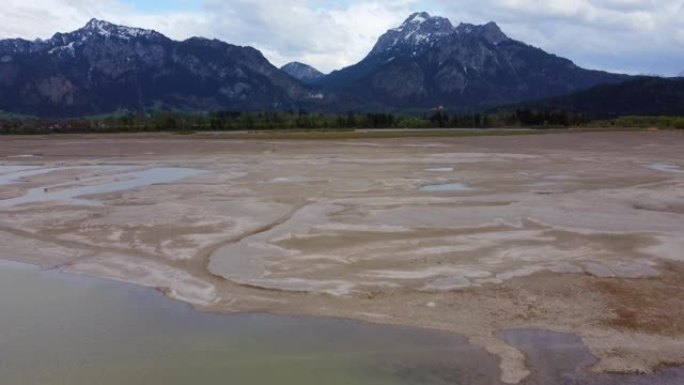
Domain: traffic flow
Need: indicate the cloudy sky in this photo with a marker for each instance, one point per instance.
(633, 36)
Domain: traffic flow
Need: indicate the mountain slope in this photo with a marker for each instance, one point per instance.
(303, 72)
(103, 67)
(428, 62)
(641, 96)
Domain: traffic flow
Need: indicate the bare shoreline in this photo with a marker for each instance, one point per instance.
(571, 233)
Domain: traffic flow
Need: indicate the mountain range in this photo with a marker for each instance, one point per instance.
(424, 63)
(104, 67)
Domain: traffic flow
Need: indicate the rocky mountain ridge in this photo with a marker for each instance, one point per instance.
(427, 62)
(103, 67)
(303, 72)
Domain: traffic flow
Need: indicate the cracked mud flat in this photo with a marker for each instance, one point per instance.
(572, 233)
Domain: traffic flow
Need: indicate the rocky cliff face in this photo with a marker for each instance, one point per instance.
(428, 62)
(104, 67)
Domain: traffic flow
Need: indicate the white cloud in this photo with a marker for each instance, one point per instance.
(631, 35)
(327, 37)
(33, 19)
(624, 35)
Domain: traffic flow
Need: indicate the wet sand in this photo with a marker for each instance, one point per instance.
(575, 233)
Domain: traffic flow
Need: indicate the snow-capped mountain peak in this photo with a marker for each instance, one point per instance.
(67, 43)
(421, 31)
(424, 23)
(417, 18)
(97, 29)
(107, 29)
(416, 33)
(98, 25)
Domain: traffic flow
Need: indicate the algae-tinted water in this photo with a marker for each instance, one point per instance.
(62, 329)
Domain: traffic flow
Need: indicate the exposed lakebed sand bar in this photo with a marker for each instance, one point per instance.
(574, 233)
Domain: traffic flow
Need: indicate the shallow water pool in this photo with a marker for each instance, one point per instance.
(71, 192)
(446, 187)
(664, 167)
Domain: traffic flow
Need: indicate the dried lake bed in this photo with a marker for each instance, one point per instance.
(571, 233)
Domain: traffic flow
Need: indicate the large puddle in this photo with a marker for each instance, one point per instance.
(63, 329)
(113, 179)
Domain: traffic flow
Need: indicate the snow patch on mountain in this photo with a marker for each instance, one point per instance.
(419, 18)
(69, 48)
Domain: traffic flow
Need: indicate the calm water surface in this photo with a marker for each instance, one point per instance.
(62, 329)
(67, 192)
(446, 187)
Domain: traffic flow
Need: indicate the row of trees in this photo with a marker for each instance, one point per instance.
(649, 121)
(287, 120)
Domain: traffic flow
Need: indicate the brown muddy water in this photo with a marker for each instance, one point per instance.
(61, 329)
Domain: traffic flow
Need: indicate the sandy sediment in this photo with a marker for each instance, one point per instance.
(176, 283)
(575, 233)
